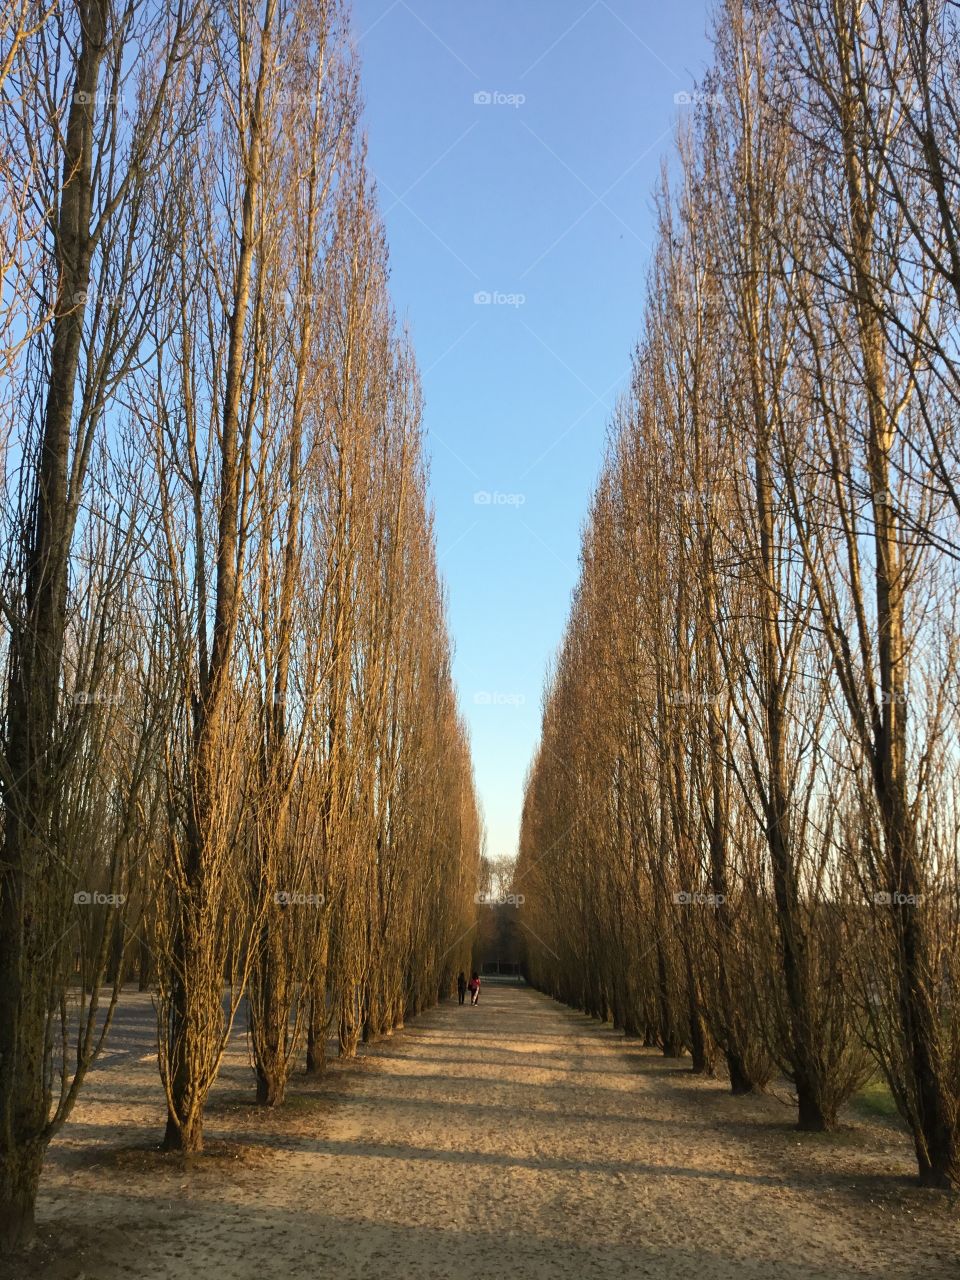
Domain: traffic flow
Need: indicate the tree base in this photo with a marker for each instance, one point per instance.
(19, 1181)
(186, 1138)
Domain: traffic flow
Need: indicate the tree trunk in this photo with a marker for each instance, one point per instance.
(35, 662)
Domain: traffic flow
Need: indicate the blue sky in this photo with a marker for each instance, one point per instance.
(516, 147)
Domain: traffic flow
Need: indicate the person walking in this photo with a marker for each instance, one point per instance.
(474, 985)
(461, 985)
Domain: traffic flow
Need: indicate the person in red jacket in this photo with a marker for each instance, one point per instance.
(474, 985)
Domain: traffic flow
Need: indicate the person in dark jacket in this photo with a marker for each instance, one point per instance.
(461, 985)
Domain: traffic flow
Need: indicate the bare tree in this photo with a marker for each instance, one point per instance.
(89, 170)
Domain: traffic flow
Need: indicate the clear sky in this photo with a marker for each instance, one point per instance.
(516, 145)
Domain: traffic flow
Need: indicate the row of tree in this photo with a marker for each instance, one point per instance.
(231, 754)
(740, 832)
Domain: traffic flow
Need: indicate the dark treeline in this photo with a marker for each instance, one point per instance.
(740, 831)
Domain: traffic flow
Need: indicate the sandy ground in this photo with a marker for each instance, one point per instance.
(515, 1139)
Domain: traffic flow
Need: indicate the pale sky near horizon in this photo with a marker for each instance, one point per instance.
(516, 148)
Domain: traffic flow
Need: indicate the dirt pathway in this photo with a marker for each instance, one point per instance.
(516, 1139)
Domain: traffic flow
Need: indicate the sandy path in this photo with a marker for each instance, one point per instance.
(516, 1139)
